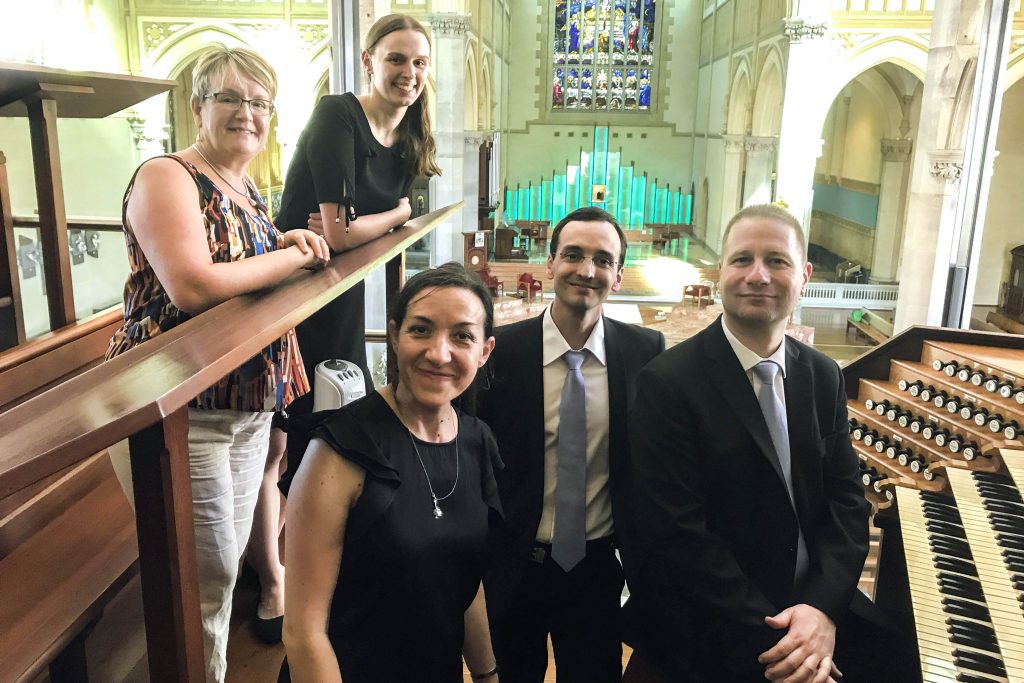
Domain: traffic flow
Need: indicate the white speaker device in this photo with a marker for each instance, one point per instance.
(337, 382)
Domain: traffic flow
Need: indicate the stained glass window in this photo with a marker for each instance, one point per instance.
(603, 54)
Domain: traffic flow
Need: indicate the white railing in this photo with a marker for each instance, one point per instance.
(838, 295)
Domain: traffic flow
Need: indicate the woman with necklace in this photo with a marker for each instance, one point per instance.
(198, 234)
(391, 508)
(353, 164)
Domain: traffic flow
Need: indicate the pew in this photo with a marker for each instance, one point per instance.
(142, 395)
(67, 542)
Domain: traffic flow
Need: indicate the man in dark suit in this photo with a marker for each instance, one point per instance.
(750, 526)
(561, 428)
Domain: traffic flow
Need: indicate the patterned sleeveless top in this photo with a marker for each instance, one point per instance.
(268, 381)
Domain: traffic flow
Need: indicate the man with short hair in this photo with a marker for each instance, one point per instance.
(560, 388)
(750, 525)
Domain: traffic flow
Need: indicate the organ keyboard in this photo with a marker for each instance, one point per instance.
(945, 476)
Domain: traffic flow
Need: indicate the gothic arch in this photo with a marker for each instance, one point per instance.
(486, 95)
(766, 118)
(1014, 69)
(471, 89)
(737, 115)
(883, 90)
(909, 54)
(170, 59)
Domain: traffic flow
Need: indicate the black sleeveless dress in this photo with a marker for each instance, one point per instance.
(407, 577)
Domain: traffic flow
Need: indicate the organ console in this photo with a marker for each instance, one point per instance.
(935, 420)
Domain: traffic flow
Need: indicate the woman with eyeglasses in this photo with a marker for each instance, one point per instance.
(198, 234)
(348, 180)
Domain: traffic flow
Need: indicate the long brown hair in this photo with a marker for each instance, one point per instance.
(415, 138)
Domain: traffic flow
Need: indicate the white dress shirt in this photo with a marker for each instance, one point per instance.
(595, 380)
(748, 359)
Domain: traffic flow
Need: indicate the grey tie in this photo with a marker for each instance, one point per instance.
(569, 544)
(775, 416)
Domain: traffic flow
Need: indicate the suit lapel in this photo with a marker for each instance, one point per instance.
(617, 388)
(801, 417)
(531, 363)
(728, 377)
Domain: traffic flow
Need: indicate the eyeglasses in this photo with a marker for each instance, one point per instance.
(258, 107)
(600, 262)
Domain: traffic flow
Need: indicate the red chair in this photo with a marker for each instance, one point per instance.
(492, 283)
(529, 286)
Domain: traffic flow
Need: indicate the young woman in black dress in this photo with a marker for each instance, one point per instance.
(353, 166)
(389, 512)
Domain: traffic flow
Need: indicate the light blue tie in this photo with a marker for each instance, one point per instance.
(569, 543)
(775, 416)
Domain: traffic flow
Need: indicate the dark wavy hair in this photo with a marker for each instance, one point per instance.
(448, 275)
(415, 137)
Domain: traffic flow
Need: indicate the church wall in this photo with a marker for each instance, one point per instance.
(864, 132)
(1005, 202)
(660, 143)
(734, 33)
(845, 208)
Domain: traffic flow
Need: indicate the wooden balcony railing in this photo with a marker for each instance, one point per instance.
(143, 394)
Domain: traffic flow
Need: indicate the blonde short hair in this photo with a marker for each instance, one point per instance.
(771, 212)
(221, 58)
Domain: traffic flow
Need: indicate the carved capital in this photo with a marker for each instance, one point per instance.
(947, 170)
(897, 150)
(760, 146)
(734, 144)
(475, 138)
(946, 164)
(449, 24)
(798, 29)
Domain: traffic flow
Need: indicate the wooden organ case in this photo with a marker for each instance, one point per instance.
(937, 421)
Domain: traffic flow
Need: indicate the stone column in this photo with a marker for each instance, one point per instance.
(449, 31)
(930, 232)
(800, 134)
(757, 187)
(892, 206)
(732, 175)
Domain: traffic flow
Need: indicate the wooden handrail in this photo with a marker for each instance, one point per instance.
(45, 343)
(150, 382)
(75, 223)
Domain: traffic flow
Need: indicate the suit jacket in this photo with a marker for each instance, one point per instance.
(511, 403)
(715, 533)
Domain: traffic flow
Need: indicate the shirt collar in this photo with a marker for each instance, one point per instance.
(748, 359)
(555, 345)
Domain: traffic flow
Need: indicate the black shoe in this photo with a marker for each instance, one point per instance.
(267, 630)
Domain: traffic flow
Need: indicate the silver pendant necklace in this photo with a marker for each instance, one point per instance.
(214, 168)
(438, 513)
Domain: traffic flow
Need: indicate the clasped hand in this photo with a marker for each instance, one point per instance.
(310, 245)
(805, 653)
(404, 208)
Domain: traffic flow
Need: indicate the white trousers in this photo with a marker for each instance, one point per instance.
(227, 450)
